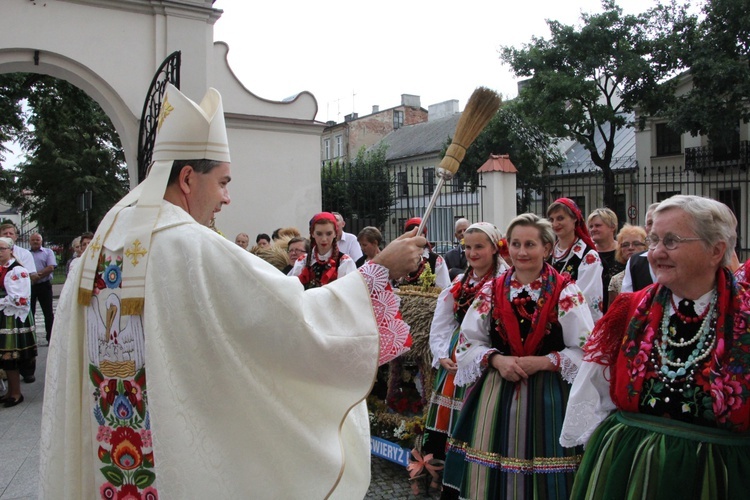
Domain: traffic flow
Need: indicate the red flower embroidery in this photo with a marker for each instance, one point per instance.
(566, 304)
(727, 396)
(129, 492)
(590, 259)
(126, 449)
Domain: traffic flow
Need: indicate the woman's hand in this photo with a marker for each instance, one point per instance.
(449, 365)
(533, 364)
(508, 367)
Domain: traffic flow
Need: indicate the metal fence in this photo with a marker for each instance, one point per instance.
(637, 188)
(410, 188)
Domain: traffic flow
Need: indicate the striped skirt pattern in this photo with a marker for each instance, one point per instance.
(642, 456)
(445, 405)
(506, 440)
(17, 341)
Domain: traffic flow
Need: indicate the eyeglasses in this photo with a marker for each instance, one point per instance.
(634, 244)
(670, 241)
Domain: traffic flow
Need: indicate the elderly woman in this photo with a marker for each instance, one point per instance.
(17, 339)
(671, 361)
(575, 252)
(630, 241)
(482, 241)
(521, 342)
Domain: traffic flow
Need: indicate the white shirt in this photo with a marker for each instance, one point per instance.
(349, 245)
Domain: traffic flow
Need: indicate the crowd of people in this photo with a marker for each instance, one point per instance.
(569, 343)
(574, 358)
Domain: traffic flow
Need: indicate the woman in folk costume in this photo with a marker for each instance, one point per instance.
(522, 349)
(575, 252)
(436, 262)
(169, 371)
(662, 398)
(482, 241)
(324, 263)
(17, 338)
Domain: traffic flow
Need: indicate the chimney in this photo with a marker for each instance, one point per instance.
(351, 117)
(442, 109)
(410, 100)
(375, 109)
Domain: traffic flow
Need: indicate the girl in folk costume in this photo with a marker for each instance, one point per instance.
(482, 241)
(575, 253)
(17, 338)
(436, 262)
(522, 348)
(324, 263)
(662, 399)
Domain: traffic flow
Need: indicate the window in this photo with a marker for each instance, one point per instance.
(338, 147)
(663, 195)
(581, 202)
(428, 180)
(402, 185)
(398, 119)
(668, 142)
(326, 149)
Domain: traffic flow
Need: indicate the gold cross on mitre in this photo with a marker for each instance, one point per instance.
(135, 251)
(166, 108)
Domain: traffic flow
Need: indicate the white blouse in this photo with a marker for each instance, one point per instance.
(17, 284)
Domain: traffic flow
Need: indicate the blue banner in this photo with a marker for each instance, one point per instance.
(390, 451)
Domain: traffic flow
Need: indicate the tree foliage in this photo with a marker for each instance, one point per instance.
(361, 189)
(714, 52)
(585, 80)
(508, 133)
(71, 147)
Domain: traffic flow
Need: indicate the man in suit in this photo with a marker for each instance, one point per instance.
(456, 258)
(638, 272)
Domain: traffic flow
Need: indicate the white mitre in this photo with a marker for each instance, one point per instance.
(185, 131)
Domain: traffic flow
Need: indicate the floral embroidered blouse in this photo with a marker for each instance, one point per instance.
(583, 264)
(16, 292)
(475, 343)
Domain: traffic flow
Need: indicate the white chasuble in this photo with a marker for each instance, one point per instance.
(234, 383)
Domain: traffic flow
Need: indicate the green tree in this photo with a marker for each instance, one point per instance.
(71, 147)
(361, 189)
(714, 51)
(587, 79)
(530, 150)
(372, 189)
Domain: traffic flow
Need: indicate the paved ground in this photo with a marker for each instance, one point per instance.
(19, 444)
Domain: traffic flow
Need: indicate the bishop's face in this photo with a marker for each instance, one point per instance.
(208, 193)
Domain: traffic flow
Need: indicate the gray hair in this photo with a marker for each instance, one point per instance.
(544, 226)
(713, 221)
(462, 220)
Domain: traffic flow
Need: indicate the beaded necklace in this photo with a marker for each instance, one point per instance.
(464, 296)
(675, 371)
(685, 318)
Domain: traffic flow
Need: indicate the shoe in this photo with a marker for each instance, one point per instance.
(29, 379)
(10, 403)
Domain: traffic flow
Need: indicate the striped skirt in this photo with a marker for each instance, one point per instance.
(445, 405)
(633, 455)
(506, 440)
(17, 341)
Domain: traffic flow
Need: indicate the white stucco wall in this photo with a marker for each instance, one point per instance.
(111, 49)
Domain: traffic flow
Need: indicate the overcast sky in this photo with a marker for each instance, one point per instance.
(353, 55)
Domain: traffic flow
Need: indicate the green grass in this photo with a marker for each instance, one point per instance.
(59, 277)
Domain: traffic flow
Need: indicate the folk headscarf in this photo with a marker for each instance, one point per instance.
(330, 269)
(185, 131)
(581, 230)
